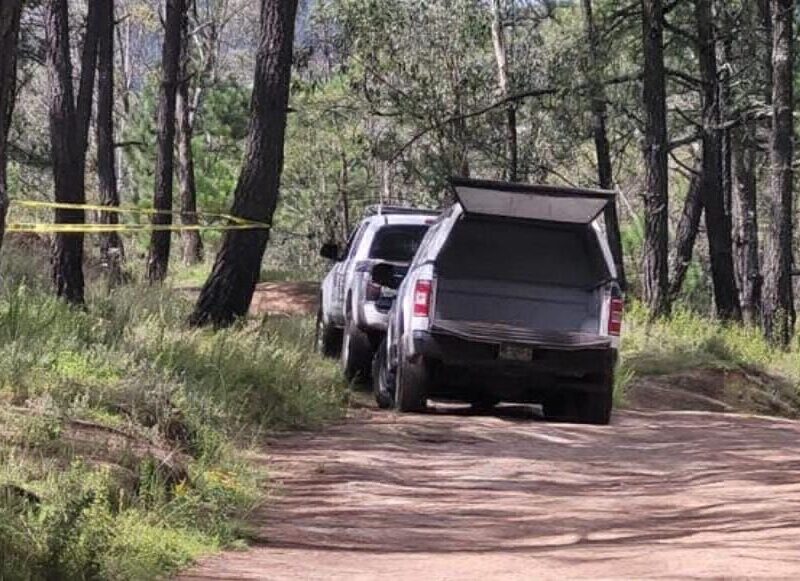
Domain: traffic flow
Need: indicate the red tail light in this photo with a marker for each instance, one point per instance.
(615, 310)
(422, 298)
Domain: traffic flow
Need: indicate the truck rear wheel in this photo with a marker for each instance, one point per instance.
(356, 354)
(328, 338)
(411, 394)
(595, 408)
(382, 379)
(559, 407)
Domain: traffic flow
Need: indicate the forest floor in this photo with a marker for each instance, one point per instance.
(451, 495)
(279, 298)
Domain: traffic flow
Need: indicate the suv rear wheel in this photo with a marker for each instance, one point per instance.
(582, 407)
(412, 386)
(595, 407)
(328, 338)
(559, 407)
(356, 354)
(382, 379)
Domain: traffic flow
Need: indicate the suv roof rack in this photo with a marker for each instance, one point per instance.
(379, 209)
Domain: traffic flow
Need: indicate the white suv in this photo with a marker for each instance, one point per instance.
(354, 310)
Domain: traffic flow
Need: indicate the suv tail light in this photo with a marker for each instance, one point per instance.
(615, 310)
(422, 298)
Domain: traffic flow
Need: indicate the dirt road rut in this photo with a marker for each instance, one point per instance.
(449, 495)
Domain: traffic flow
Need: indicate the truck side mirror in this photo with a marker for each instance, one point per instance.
(383, 274)
(329, 251)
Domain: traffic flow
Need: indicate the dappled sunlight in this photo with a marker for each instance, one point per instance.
(451, 483)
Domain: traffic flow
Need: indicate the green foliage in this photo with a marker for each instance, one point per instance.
(688, 340)
(218, 144)
(128, 368)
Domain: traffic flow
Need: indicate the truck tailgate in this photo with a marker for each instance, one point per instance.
(499, 333)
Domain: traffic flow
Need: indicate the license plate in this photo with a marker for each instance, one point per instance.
(516, 352)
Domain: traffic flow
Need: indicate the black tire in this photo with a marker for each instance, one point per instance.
(559, 407)
(411, 394)
(382, 379)
(328, 339)
(582, 407)
(356, 354)
(595, 407)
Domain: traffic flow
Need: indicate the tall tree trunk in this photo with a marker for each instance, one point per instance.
(229, 289)
(746, 227)
(69, 127)
(158, 260)
(718, 225)
(9, 34)
(656, 284)
(501, 58)
(688, 226)
(111, 249)
(779, 313)
(605, 173)
(765, 14)
(192, 243)
(344, 190)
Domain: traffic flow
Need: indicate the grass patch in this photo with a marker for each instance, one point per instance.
(746, 373)
(120, 426)
(688, 340)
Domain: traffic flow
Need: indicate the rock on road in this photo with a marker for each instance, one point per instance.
(449, 495)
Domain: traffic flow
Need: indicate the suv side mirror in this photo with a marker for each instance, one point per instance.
(383, 274)
(330, 251)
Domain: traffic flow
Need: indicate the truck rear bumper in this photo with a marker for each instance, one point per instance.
(461, 367)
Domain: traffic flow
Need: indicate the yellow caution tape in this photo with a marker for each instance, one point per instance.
(105, 228)
(237, 223)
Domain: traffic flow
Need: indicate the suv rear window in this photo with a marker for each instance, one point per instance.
(397, 243)
(523, 251)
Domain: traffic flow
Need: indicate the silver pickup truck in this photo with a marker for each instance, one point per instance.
(511, 297)
(354, 310)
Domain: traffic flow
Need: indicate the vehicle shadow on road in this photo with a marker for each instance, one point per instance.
(454, 481)
(508, 412)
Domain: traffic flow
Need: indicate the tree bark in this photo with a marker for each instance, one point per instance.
(344, 191)
(765, 14)
(69, 127)
(656, 284)
(9, 35)
(779, 312)
(686, 235)
(83, 107)
(192, 243)
(227, 293)
(605, 173)
(747, 262)
(158, 259)
(718, 224)
(501, 58)
(112, 252)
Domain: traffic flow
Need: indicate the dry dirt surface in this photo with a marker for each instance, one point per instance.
(278, 298)
(451, 495)
(285, 298)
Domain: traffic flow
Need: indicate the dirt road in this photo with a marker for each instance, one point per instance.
(448, 495)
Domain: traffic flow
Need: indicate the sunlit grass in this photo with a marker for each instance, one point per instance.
(129, 363)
